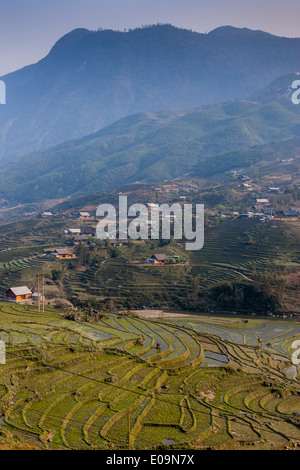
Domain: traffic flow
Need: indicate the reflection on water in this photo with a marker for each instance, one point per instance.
(212, 359)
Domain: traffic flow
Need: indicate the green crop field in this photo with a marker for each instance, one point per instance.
(130, 382)
(232, 251)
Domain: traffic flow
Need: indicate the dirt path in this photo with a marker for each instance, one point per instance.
(161, 314)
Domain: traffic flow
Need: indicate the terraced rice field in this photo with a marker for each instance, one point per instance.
(13, 261)
(274, 336)
(231, 251)
(200, 383)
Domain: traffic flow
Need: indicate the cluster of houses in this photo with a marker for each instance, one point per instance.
(79, 215)
(22, 294)
(67, 253)
(81, 235)
(262, 208)
(263, 205)
(221, 213)
(83, 231)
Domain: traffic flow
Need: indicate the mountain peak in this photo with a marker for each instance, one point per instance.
(71, 39)
(231, 31)
(92, 78)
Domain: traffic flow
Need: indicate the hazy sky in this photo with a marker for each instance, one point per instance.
(29, 28)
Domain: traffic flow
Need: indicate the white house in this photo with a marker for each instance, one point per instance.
(83, 215)
(262, 201)
(73, 231)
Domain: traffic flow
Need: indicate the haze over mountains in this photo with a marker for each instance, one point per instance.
(92, 79)
(150, 147)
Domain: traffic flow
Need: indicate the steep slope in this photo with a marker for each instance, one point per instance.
(93, 78)
(150, 148)
(279, 89)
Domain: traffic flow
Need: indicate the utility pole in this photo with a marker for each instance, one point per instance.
(43, 293)
(38, 289)
(128, 429)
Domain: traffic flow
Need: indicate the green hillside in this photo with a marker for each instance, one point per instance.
(150, 148)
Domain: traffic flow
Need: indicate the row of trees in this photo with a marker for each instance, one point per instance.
(264, 293)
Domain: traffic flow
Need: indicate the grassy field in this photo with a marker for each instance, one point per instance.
(189, 383)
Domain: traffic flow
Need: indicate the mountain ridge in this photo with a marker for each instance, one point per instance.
(91, 79)
(150, 147)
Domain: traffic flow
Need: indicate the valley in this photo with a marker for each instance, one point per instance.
(137, 337)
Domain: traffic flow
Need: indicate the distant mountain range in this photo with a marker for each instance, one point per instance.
(91, 79)
(151, 147)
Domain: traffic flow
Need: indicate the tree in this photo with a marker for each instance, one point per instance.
(195, 286)
(56, 274)
(82, 254)
(255, 173)
(115, 252)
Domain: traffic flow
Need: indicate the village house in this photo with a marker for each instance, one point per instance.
(83, 215)
(79, 239)
(289, 213)
(262, 202)
(273, 190)
(225, 213)
(159, 258)
(91, 231)
(46, 214)
(18, 294)
(269, 211)
(37, 296)
(73, 231)
(62, 253)
(244, 178)
(296, 209)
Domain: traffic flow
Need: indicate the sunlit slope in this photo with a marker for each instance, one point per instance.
(73, 385)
